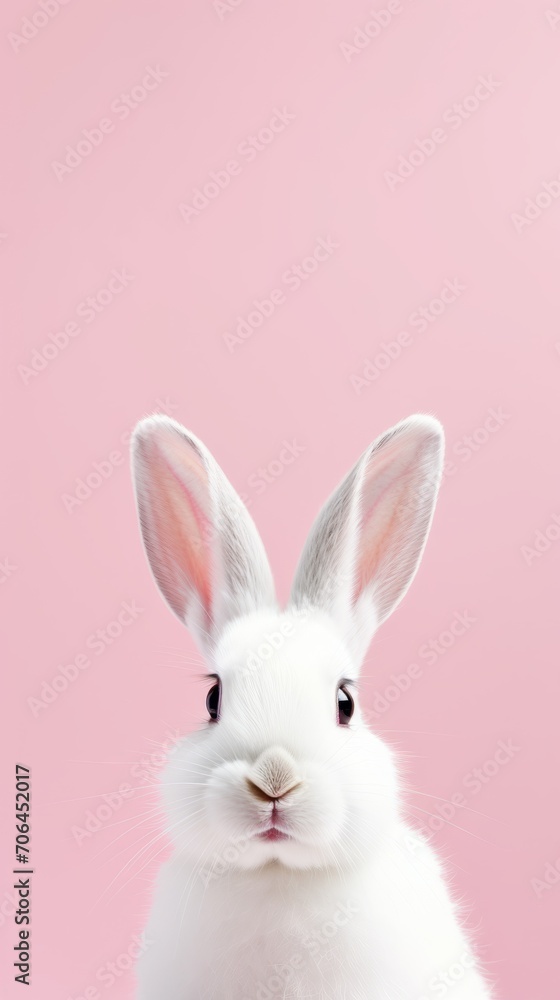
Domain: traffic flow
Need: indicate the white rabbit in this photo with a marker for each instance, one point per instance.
(294, 873)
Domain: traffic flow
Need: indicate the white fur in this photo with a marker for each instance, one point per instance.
(354, 906)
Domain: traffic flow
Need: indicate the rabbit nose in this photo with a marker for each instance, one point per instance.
(264, 796)
(273, 775)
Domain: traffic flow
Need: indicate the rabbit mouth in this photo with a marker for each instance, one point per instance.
(273, 834)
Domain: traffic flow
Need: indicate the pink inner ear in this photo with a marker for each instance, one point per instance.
(179, 533)
(385, 488)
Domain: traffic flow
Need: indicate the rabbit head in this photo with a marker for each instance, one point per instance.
(285, 769)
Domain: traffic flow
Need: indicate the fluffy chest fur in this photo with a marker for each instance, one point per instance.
(386, 932)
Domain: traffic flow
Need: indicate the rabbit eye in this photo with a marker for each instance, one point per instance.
(213, 699)
(345, 705)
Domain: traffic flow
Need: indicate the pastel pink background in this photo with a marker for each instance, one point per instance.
(160, 344)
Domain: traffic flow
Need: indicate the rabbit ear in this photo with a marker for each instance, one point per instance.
(364, 548)
(203, 547)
